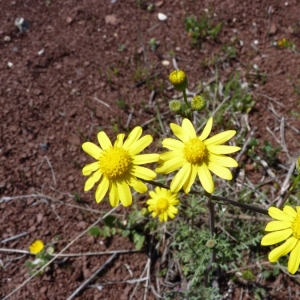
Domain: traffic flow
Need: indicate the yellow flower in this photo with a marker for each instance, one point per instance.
(287, 227)
(162, 204)
(36, 247)
(179, 80)
(117, 166)
(197, 155)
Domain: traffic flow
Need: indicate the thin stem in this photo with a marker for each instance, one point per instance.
(290, 190)
(185, 97)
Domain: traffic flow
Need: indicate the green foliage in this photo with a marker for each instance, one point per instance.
(202, 28)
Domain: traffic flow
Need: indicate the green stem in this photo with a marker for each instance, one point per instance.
(185, 97)
(290, 190)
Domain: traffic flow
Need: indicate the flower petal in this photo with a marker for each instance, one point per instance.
(220, 138)
(92, 180)
(290, 211)
(173, 144)
(133, 136)
(113, 195)
(92, 149)
(145, 158)
(277, 225)
(119, 141)
(180, 178)
(279, 215)
(171, 165)
(294, 260)
(206, 178)
(143, 173)
(207, 130)
(283, 249)
(138, 185)
(102, 189)
(104, 140)
(179, 132)
(222, 149)
(188, 183)
(276, 237)
(220, 171)
(124, 193)
(140, 145)
(222, 160)
(88, 169)
(189, 128)
(170, 155)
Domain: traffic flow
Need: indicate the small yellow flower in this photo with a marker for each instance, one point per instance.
(197, 155)
(286, 227)
(117, 166)
(36, 247)
(179, 80)
(162, 204)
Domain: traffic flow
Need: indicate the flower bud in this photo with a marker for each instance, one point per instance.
(179, 80)
(210, 243)
(175, 106)
(198, 103)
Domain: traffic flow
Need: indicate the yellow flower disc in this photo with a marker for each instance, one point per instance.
(195, 151)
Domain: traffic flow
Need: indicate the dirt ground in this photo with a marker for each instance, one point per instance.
(79, 69)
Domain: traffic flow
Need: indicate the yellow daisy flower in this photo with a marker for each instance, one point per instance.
(36, 247)
(287, 227)
(162, 204)
(197, 155)
(117, 166)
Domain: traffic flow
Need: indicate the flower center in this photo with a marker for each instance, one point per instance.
(195, 151)
(296, 227)
(115, 162)
(162, 205)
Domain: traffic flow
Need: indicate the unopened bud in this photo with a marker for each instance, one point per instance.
(175, 106)
(198, 103)
(210, 243)
(179, 80)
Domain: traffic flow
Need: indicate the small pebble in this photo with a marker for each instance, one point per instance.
(10, 64)
(41, 52)
(162, 17)
(255, 42)
(7, 38)
(165, 63)
(255, 67)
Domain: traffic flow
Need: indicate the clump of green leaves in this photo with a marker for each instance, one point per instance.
(202, 28)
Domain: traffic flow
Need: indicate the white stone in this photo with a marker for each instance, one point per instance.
(162, 17)
(10, 64)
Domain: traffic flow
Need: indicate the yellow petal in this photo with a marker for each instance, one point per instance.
(188, 127)
(113, 195)
(222, 149)
(222, 160)
(92, 149)
(88, 169)
(294, 260)
(290, 211)
(124, 193)
(188, 183)
(140, 145)
(180, 178)
(133, 136)
(220, 138)
(279, 215)
(220, 171)
(207, 129)
(92, 180)
(102, 189)
(143, 173)
(283, 249)
(104, 140)
(173, 144)
(145, 158)
(138, 185)
(171, 165)
(119, 141)
(276, 237)
(169, 155)
(206, 178)
(277, 225)
(179, 132)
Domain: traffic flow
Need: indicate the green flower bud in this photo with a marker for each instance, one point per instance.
(179, 80)
(175, 106)
(198, 103)
(210, 243)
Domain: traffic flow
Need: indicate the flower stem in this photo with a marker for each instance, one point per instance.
(290, 190)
